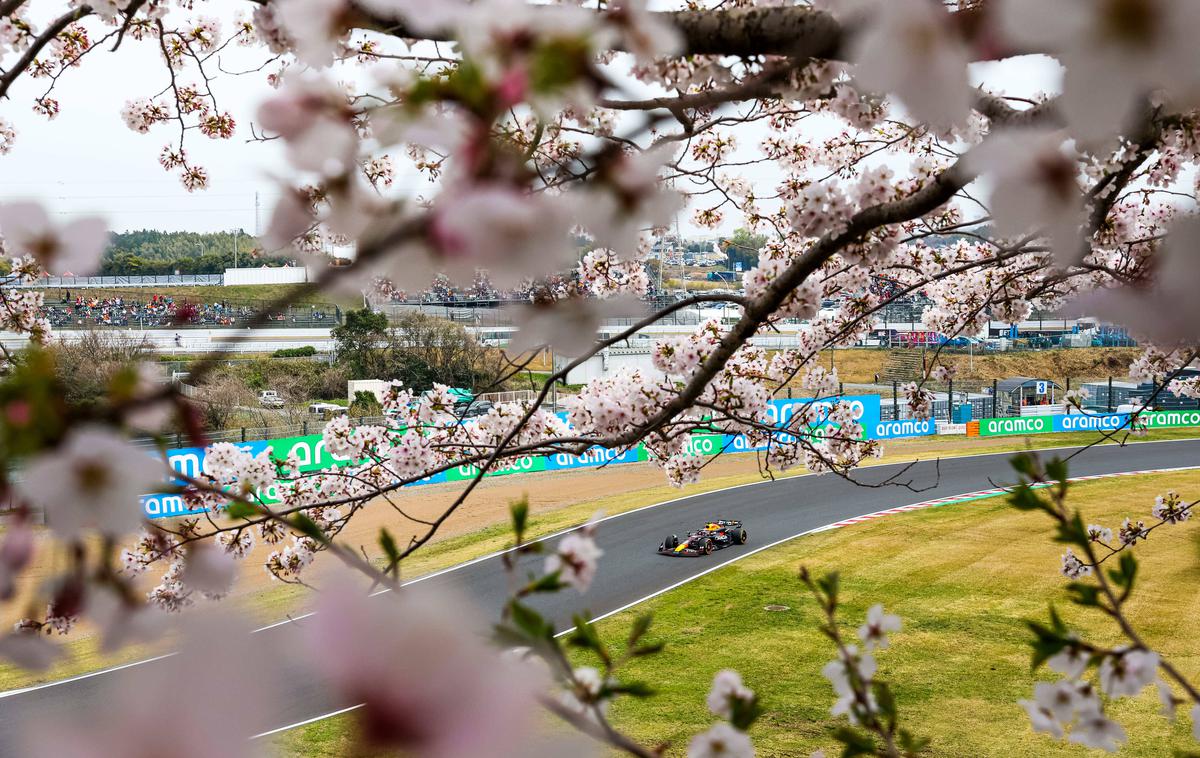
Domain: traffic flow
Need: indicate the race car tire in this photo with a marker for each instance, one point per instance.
(671, 542)
(708, 547)
(739, 536)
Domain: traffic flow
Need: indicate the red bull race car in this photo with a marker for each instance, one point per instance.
(714, 536)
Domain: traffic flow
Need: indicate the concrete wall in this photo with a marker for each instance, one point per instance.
(266, 275)
(376, 386)
(608, 362)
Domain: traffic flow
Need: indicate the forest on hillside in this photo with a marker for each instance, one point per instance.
(151, 252)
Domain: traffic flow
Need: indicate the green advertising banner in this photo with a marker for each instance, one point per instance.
(515, 466)
(995, 427)
(1168, 419)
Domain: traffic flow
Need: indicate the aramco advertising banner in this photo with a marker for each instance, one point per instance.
(1086, 422)
(310, 453)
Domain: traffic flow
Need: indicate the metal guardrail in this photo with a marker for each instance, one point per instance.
(83, 282)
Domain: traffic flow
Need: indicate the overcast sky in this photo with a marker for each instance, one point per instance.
(87, 161)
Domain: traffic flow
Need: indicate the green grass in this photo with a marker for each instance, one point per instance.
(958, 666)
(963, 578)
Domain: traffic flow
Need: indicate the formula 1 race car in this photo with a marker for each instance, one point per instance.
(714, 536)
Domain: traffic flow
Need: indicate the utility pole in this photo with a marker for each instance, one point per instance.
(257, 228)
(235, 246)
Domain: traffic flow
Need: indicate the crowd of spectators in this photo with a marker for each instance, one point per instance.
(87, 310)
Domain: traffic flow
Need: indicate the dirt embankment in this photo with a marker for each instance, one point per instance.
(1084, 363)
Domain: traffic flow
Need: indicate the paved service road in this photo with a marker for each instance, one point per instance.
(631, 569)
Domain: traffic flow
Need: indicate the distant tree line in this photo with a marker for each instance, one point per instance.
(151, 252)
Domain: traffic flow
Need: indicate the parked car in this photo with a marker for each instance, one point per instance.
(326, 409)
(270, 399)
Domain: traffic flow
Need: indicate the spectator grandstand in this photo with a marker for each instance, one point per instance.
(90, 310)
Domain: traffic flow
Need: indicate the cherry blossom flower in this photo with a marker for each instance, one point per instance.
(646, 35)
(1095, 730)
(727, 688)
(312, 28)
(92, 481)
(72, 248)
(8, 136)
(1131, 531)
(1072, 567)
(874, 632)
(218, 656)
(908, 47)
(943, 373)
(1169, 508)
(1035, 188)
(209, 570)
(122, 622)
(1127, 672)
(1098, 533)
(312, 116)
(568, 326)
(15, 554)
(29, 650)
(1123, 49)
(1166, 697)
(575, 558)
(721, 741)
(584, 693)
(417, 662)
(1072, 661)
(510, 233)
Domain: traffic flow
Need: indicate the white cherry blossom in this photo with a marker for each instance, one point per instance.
(721, 741)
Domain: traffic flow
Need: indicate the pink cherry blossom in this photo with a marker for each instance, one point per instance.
(428, 683)
(218, 656)
(72, 248)
(908, 47)
(93, 481)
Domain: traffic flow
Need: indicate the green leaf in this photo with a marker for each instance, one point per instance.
(307, 526)
(912, 745)
(828, 584)
(1072, 531)
(1086, 595)
(520, 517)
(1056, 469)
(530, 621)
(886, 702)
(744, 712)
(1025, 498)
(586, 636)
(854, 743)
(641, 625)
(1025, 464)
(242, 509)
(647, 649)
(551, 582)
(388, 543)
(1126, 570)
(635, 689)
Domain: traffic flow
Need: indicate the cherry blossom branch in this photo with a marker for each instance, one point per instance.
(36, 44)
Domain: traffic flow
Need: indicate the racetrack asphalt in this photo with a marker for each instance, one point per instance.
(631, 569)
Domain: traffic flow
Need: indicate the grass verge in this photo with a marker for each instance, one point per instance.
(962, 658)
